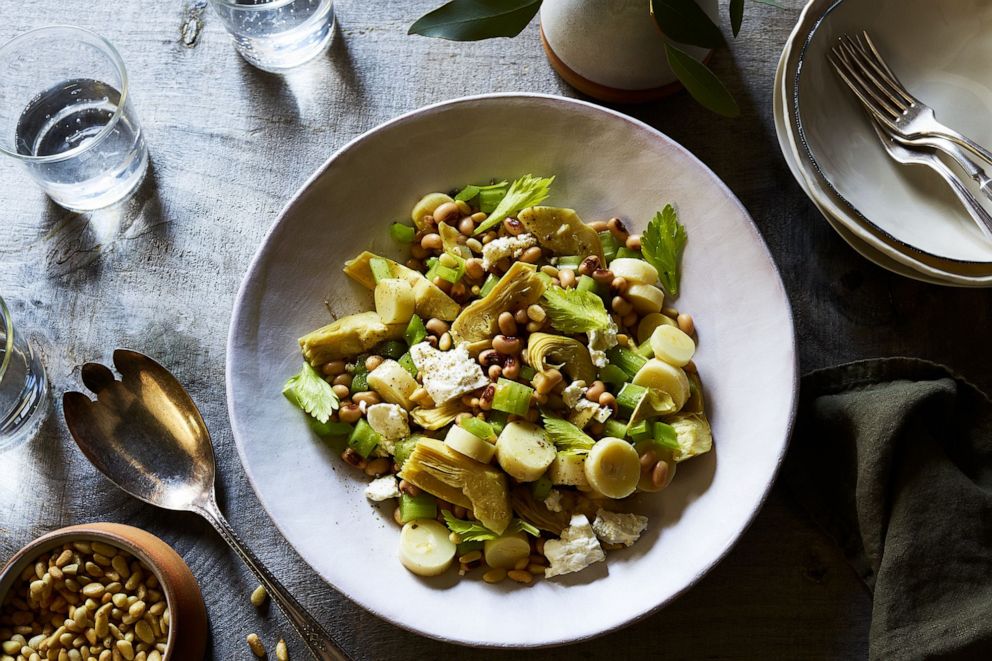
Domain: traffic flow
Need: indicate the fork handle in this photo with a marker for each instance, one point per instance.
(967, 143)
(970, 202)
(318, 641)
(970, 168)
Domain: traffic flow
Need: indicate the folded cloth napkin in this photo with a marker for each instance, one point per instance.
(893, 459)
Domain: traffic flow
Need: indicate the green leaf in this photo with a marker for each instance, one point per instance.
(736, 15)
(566, 436)
(311, 393)
(472, 20)
(685, 22)
(574, 310)
(662, 243)
(527, 191)
(702, 83)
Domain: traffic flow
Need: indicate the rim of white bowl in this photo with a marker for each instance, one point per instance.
(237, 431)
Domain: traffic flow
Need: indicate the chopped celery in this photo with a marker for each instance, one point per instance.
(545, 278)
(480, 428)
(446, 273)
(363, 438)
(330, 429)
(390, 349)
(541, 487)
(467, 194)
(626, 252)
(630, 396)
(403, 449)
(422, 506)
(569, 262)
(527, 373)
(610, 245)
(612, 375)
(645, 349)
(627, 360)
(402, 233)
(488, 285)
(490, 196)
(468, 547)
(512, 397)
(360, 377)
(380, 269)
(586, 283)
(640, 431)
(615, 428)
(416, 332)
(406, 362)
(665, 436)
(497, 419)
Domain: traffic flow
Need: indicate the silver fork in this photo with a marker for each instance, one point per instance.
(901, 153)
(860, 65)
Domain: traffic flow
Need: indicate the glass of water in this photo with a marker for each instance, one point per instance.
(23, 385)
(275, 35)
(66, 114)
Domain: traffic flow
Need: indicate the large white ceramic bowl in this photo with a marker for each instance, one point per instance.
(607, 164)
(940, 51)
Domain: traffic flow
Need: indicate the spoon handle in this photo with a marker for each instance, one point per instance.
(320, 643)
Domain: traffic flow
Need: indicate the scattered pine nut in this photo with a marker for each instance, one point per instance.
(257, 648)
(259, 596)
(282, 653)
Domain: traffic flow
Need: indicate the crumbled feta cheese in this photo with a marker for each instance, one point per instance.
(447, 374)
(507, 246)
(600, 341)
(573, 392)
(382, 489)
(602, 412)
(553, 501)
(577, 549)
(389, 420)
(619, 528)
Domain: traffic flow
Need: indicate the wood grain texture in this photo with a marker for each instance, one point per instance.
(229, 146)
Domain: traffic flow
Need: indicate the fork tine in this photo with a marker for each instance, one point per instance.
(862, 62)
(869, 47)
(864, 92)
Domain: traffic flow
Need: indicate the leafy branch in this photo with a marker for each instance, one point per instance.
(681, 21)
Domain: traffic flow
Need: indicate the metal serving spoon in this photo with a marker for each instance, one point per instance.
(145, 434)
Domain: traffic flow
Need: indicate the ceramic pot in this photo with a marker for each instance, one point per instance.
(187, 613)
(612, 50)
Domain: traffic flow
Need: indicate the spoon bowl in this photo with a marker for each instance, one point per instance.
(145, 434)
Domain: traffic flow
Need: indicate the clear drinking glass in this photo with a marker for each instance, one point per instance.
(23, 385)
(275, 35)
(65, 113)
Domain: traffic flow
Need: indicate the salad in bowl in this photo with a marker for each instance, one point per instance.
(519, 379)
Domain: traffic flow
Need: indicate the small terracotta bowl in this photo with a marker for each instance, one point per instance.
(188, 616)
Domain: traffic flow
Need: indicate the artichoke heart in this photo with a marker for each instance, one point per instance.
(537, 513)
(440, 416)
(546, 350)
(692, 433)
(562, 231)
(449, 239)
(430, 300)
(348, 336)
(451, 476)
(519, 287)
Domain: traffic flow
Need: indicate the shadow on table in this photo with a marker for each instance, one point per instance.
(78, 242)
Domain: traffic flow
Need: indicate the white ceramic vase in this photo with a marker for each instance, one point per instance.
(612, 49)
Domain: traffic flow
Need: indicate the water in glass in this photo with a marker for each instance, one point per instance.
(23, 385)
(275, 35)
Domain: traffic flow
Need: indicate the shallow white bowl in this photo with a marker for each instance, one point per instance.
(607, 164)
(940, 51)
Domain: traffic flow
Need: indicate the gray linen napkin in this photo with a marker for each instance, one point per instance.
(893, 459)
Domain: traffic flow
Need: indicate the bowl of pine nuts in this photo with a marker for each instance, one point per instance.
(100, 592)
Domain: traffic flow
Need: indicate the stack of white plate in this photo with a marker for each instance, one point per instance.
(903, 218)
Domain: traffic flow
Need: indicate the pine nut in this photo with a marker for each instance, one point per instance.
(686, 324)
(536, 313)
(257, 648)
(494, 575)
(259, 596)
(536, 569)
(521, 576)
(444, 344)
(282, 653)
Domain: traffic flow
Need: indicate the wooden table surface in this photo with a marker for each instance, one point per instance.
(230, 144)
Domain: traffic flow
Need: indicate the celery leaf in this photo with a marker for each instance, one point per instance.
(527, 191)
(472, 531)
(311, 393)
(566, 436)
(575, 311)
(662, 244)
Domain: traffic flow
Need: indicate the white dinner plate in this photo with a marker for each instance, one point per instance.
(941, 52)
(606, 164)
